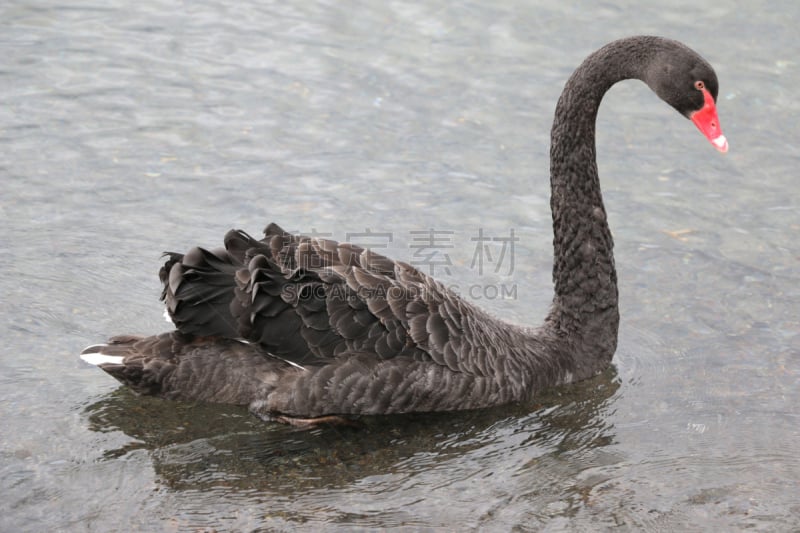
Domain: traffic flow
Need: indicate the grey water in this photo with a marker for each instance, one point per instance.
(420, 129)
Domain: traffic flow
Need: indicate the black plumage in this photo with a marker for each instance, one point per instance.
(296, 326)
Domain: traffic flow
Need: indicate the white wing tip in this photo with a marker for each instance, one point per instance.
(98, 358)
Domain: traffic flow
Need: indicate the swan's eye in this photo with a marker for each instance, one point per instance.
(699, 85)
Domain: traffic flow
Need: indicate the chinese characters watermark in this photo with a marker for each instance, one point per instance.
(431, 255)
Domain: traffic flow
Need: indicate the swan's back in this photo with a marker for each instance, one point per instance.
(326, 328)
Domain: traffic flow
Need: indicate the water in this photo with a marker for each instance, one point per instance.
(131, 128)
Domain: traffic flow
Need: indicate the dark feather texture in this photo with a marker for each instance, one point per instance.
(304, 327)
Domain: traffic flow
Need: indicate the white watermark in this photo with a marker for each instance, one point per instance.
(431, 249)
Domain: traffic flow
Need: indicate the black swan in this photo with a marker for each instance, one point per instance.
(303, 329)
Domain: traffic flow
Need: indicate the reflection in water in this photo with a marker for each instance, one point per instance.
(203, 446)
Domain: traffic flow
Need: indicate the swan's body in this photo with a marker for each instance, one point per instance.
(302, 327)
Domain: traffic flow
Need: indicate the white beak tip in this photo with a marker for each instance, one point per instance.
(721, 143)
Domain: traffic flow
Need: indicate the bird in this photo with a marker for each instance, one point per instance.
(305, 330)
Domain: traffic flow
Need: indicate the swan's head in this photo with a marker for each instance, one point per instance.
(687, 82)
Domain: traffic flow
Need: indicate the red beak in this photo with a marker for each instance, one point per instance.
(707, 122)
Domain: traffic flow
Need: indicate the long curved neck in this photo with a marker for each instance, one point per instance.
(585, 305)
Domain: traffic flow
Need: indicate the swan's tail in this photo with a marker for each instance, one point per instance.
(142, 363)
(177, 366)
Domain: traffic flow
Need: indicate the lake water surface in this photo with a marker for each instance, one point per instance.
(129, 128)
